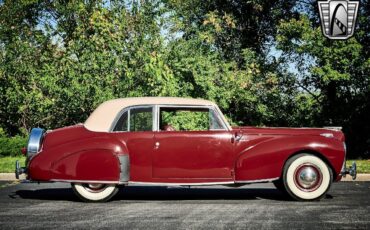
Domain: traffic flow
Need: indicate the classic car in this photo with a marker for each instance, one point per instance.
(184, 142)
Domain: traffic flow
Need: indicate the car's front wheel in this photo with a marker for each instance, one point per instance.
(95, 192)
(307, 177)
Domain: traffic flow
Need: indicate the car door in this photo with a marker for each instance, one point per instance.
(135, 128)
(193, 144)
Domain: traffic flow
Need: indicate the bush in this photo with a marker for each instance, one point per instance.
(11, 146)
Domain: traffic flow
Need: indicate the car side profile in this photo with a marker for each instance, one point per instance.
(182, 141)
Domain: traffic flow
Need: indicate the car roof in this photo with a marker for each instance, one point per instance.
(103, 116)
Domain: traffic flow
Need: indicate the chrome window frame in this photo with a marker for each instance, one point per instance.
(211, 108)
(128, 110)
(155, 117)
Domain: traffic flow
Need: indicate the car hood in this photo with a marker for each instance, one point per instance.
(325, 132)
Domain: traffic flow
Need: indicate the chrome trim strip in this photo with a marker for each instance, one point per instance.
(337, 128)
(257, 181)
(179, 184)
(124, 161)
(128, 120)
(164, 184)
(327, 135)
(156, 118)
(88, 181)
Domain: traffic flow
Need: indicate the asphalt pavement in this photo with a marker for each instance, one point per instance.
(259, 206)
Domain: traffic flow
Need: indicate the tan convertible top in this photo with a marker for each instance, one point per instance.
(103, 116)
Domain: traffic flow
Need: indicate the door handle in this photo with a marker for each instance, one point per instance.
(156, 145)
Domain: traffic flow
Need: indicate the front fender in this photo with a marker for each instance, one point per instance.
(265, 160)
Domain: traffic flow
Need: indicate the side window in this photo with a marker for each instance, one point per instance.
(141, 119)
(215, 121)
(136, 119)
(188, 119)
(122, 123)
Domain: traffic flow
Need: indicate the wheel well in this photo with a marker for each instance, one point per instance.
(315, 153)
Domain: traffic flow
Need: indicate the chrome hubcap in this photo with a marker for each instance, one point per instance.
(308, 177)
(94, 187)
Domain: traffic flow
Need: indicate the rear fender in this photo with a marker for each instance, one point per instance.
(265, 160)
(92, 159)
(90, 165)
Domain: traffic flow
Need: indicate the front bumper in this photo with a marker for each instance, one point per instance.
(352, 171)
(19, 170)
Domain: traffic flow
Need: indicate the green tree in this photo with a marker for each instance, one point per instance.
(334, 73)
(60, 59)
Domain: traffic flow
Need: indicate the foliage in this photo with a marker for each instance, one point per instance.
(337, 77)
(60, 59)
(141, 119)
(11, 146)
(190, 120)
(7, 164)
(363, 166)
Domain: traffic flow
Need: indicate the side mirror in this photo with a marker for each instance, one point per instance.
(236, 137)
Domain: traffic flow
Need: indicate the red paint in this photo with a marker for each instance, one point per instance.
(263, 151)
(193, 155)
(75, 153)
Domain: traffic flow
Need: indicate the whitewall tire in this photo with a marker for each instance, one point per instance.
(307, 177)
(95, 192)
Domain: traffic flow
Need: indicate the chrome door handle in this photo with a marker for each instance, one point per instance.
(156, 146)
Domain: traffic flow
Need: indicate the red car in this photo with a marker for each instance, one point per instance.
(182, 141)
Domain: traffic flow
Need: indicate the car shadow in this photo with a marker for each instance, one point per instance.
(149, 193)
(183, 193)
(46, 194)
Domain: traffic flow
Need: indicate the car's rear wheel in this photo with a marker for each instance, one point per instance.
(307, 177)
(95, 192)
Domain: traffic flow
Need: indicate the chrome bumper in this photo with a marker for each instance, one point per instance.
(352, 171)
(19, 170)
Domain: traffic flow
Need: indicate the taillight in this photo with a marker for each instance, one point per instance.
(24, 150)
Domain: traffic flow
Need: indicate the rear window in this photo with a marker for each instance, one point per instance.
(135, 119)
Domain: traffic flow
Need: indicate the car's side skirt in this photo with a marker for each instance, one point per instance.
(180, 184)
(88, 181)
(166, 184)
(256, 181)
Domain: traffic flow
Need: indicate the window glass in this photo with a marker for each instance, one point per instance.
(122, 123)
(141, 119)
(136, 119)
(188, 119)
(215, 121)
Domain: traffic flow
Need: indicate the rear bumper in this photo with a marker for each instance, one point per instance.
(352, 171)
(19, 170)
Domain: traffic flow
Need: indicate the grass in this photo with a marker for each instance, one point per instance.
(7, 164)
(363, 166)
